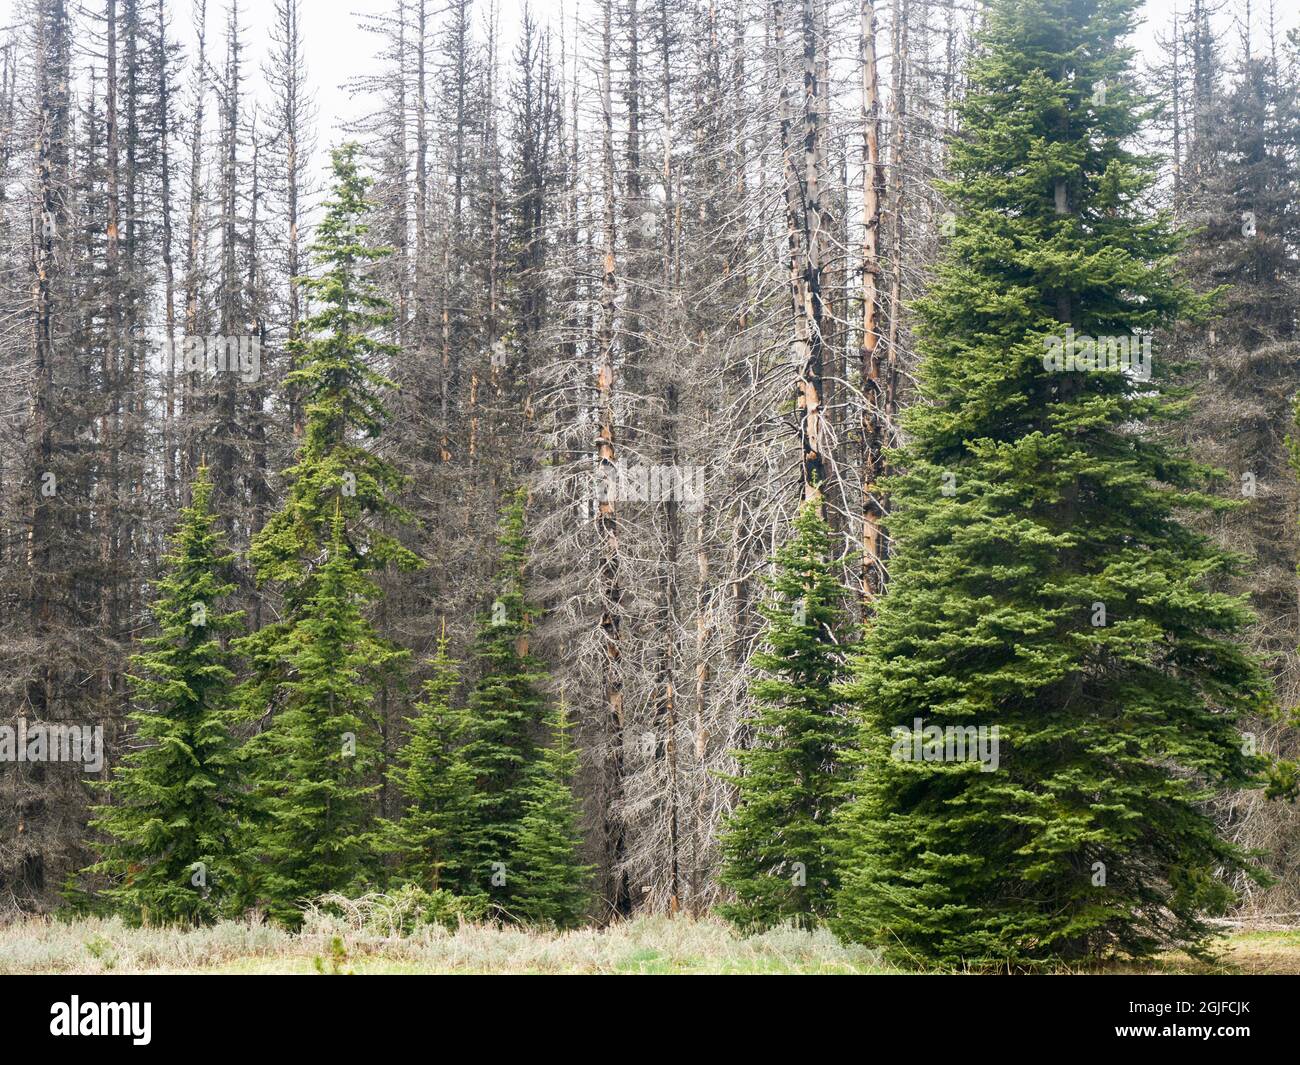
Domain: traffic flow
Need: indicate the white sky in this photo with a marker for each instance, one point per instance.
(338, 50)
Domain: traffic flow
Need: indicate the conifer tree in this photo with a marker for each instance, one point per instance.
(435, 784)
(337, 377)
(316, 817)
(172, 827)
(1243, 367)
(777, 852)
(323, 745)
(1243, 364)
(551, 886)
(1044, 583)
(507, 710)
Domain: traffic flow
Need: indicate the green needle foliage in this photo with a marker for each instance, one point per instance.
(507, 709)
(319, 664)
(1044, 582)
(552, 887)
(777, 849)
(177, 801)
(323, 746)
(336, 364)
(435, 783)
(336, 372)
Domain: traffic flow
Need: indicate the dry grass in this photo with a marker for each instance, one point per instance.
(103, 946)
(644, 945)
(1245, 954)
(647, 945)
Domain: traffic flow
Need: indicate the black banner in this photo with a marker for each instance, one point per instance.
(151, 1014)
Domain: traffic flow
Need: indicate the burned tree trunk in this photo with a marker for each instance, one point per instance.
(875, 403)
(807, 223)
(617, 892)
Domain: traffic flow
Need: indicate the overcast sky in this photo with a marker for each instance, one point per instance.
(338, 50)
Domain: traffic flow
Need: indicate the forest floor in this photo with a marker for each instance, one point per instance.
(645, 945)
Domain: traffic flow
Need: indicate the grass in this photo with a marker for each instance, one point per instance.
(648, 945)
(1247, 954)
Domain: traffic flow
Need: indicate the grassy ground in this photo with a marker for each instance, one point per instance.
(646, 945)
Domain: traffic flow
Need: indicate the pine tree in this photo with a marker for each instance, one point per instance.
(551, 885)
(323, 745)
(174, 822)
(776, 846)
(337, 379)
(338, 503)
(1242, 365)
(507, 710)
(1244, 368)
(435, 784)
(1044, 584)
(337, 372)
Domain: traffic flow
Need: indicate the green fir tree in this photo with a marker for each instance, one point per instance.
(173, 823)
(435, 784)
(777, 850)
(337, 360)
(324, 746)
(551, 885)
(1044, 582)
(339, 505)
(507, 710)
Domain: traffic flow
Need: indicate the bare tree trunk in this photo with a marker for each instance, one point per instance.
(806, 221)
(420, 309)
(875, 406)
(667, 681)
(50, 226)
(107, 488)
(1177, 85)
(171, 470)
(617, 892)
(292, 104)
(225, 431)
(194, 236)
(898, 120)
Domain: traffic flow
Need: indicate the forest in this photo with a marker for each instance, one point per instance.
(810, 468)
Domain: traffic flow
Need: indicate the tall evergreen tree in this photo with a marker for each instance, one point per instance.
(776, 847)
(1044, 583)
(552, 887)
(1244, 369)
(338, 502)
(1242, 365)
(337, 377)
(172, 827)
(435, 784)
(507, 710)
(323, 745)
